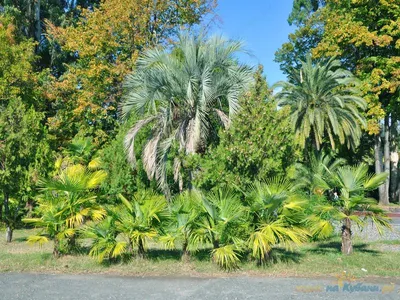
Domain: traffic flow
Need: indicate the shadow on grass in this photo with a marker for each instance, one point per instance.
(202, 255)
(335, 247)
(22, 239)
(161, 254)
(279, 255)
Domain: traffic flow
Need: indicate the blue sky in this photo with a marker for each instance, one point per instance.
(262, 25)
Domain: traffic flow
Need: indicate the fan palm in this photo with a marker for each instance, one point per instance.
(141, 219)
(277, 213)
(65, 203)
(323, 103)
(313, 175)
(184, 212)
(178, 93)
(104, 238)
(352, 203)
(223, 223)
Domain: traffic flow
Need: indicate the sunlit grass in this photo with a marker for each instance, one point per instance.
(310, 260)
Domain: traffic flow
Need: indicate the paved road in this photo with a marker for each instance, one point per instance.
(82, 287)
(396, 220)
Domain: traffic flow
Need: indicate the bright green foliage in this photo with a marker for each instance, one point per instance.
(311, 175)
(103, 234)
(350, 202)
(306, 36)
(66, 202)
(302, 10)
(127, 226)
(17, 78)
(140, 220)
(223, 223)
(178, 93)
(277, 214)
(24, 157)
(324, 104)
(258, 144)
(80, 150)
(24, 148)
(184, 212)
(123, 179)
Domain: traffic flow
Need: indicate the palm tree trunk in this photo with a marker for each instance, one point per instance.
(215, 244)
(347, 245)
(56, 248)
(185, 252)
(72, 243)
(141, 251)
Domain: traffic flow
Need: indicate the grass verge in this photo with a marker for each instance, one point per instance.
(310, 260)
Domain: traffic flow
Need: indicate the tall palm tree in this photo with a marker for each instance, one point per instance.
(324, 104)
(178, 93)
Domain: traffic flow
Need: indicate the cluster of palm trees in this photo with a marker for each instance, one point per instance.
(182, 96)
(233, 223)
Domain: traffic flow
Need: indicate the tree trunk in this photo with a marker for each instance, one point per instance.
(38, 29)
(29, 206)
(215, 244)
(141, 252)
(378, 167)
(9, 234)
(394, 160)
(7, 218)
(386, 147)
(56, 249)
(185, 252)
(71, 244)
(347, 245)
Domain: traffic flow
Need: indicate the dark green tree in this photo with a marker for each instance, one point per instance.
(24, 144)
(258, 144)
(24, 157)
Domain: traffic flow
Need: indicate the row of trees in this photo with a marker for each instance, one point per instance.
(192, 118)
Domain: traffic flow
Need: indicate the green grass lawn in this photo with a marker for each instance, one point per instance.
(310, 260)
